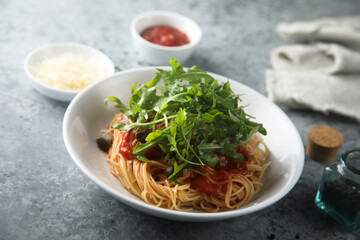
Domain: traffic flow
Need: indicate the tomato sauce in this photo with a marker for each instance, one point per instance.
(165, 35)
(155, 153)
(126, 147)
(227, 170)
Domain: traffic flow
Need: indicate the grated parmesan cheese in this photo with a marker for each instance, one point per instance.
(67, 72)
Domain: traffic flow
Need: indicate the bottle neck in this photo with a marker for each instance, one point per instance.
(351, 160)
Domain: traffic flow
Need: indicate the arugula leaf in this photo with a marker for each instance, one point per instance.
(177, 170)
(119, 104)
(192, 117)
(141, 148)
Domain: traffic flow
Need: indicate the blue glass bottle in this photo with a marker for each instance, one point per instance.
(339, 191)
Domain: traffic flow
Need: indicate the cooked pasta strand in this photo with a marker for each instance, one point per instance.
(149, 182)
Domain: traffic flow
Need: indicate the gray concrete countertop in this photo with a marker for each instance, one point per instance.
(43, 195)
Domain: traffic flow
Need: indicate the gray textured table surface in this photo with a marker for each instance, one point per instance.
(42, 193)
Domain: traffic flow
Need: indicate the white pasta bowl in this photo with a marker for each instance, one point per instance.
(157, 54)
(86, 116)
(91, 55)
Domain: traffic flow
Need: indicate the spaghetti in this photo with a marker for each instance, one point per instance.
(149, 180)
(187, 143)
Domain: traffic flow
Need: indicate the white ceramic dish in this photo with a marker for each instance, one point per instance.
(157, 54)
(91, 55)
(87, 115)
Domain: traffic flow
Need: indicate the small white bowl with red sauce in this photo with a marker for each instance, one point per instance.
(161, 35)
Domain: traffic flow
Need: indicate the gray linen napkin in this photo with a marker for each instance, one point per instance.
(345, 30)
(315, 90)
(326, 58)
(319, 76)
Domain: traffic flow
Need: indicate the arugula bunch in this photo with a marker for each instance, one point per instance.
(200, 118)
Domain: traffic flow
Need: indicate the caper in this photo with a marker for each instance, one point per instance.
(140, 136)
(104, 143)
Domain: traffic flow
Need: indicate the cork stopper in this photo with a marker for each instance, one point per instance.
(323, 143)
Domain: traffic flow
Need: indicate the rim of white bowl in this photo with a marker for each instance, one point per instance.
(167, 213)
(173, 15)
(59, 44)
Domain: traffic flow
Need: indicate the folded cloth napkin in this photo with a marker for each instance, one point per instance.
(318, 76)
(344, 30)
(326, 58)
(315, 90)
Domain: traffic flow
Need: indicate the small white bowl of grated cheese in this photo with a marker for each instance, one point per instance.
(62, 70)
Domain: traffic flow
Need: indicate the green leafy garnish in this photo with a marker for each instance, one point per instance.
(191, 117)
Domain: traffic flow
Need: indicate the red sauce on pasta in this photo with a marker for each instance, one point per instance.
(228, 169)
(155, 153)
(126, 147)
(165, 35)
